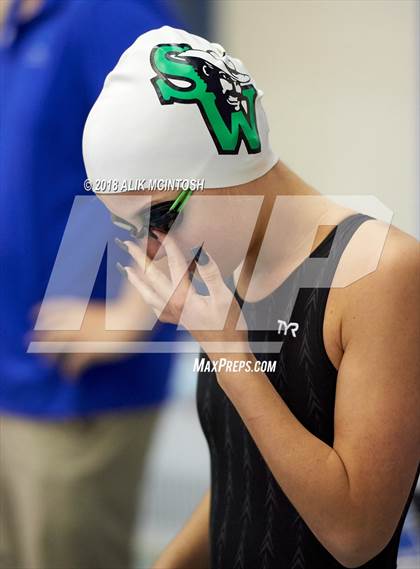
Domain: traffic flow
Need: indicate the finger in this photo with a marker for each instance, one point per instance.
(149, 295)
(178, 266)
(210, 273)
(155, 278)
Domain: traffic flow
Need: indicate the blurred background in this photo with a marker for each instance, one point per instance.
(341, 92)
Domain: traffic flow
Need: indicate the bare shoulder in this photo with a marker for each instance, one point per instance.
(377, 251)
(400, 249)
(377, 283)
(380, 271)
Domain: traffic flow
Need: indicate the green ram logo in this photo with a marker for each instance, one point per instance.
(226, 98)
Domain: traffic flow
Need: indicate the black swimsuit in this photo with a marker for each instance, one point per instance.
(253, 525)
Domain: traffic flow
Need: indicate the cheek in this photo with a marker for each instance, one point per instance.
(225, 251)
(220, 238)
(150, 246)
(222, 244)
(226, 254)
(154, 251)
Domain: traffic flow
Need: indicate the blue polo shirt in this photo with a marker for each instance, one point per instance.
(52, 69)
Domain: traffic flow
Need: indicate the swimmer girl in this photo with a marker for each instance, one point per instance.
(314, 464)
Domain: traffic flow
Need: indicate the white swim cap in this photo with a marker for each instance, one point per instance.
(177, 106)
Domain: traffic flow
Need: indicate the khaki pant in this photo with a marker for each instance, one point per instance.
(69, 490)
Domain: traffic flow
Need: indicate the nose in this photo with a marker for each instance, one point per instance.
(153, 247)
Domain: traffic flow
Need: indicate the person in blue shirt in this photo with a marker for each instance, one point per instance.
(75, 428)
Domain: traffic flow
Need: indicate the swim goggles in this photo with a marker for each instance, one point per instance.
(160, 216)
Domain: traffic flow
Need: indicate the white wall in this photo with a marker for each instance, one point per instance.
(341, 90)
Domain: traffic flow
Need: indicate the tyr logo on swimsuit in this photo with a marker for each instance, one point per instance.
(285, 327)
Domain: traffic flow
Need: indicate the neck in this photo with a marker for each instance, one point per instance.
(290, 210)
(293, 220)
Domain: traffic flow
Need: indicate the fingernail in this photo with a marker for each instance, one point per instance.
(121, 244)
(204, 258)
(122, 269)
(200, 256)
(196, 252)
(136, 234)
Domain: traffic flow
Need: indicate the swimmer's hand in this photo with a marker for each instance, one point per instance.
(215, 320)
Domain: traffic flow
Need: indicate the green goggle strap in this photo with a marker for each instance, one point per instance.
(180, 201)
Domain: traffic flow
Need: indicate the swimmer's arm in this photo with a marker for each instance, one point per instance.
(351, 495)
(190, 547)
